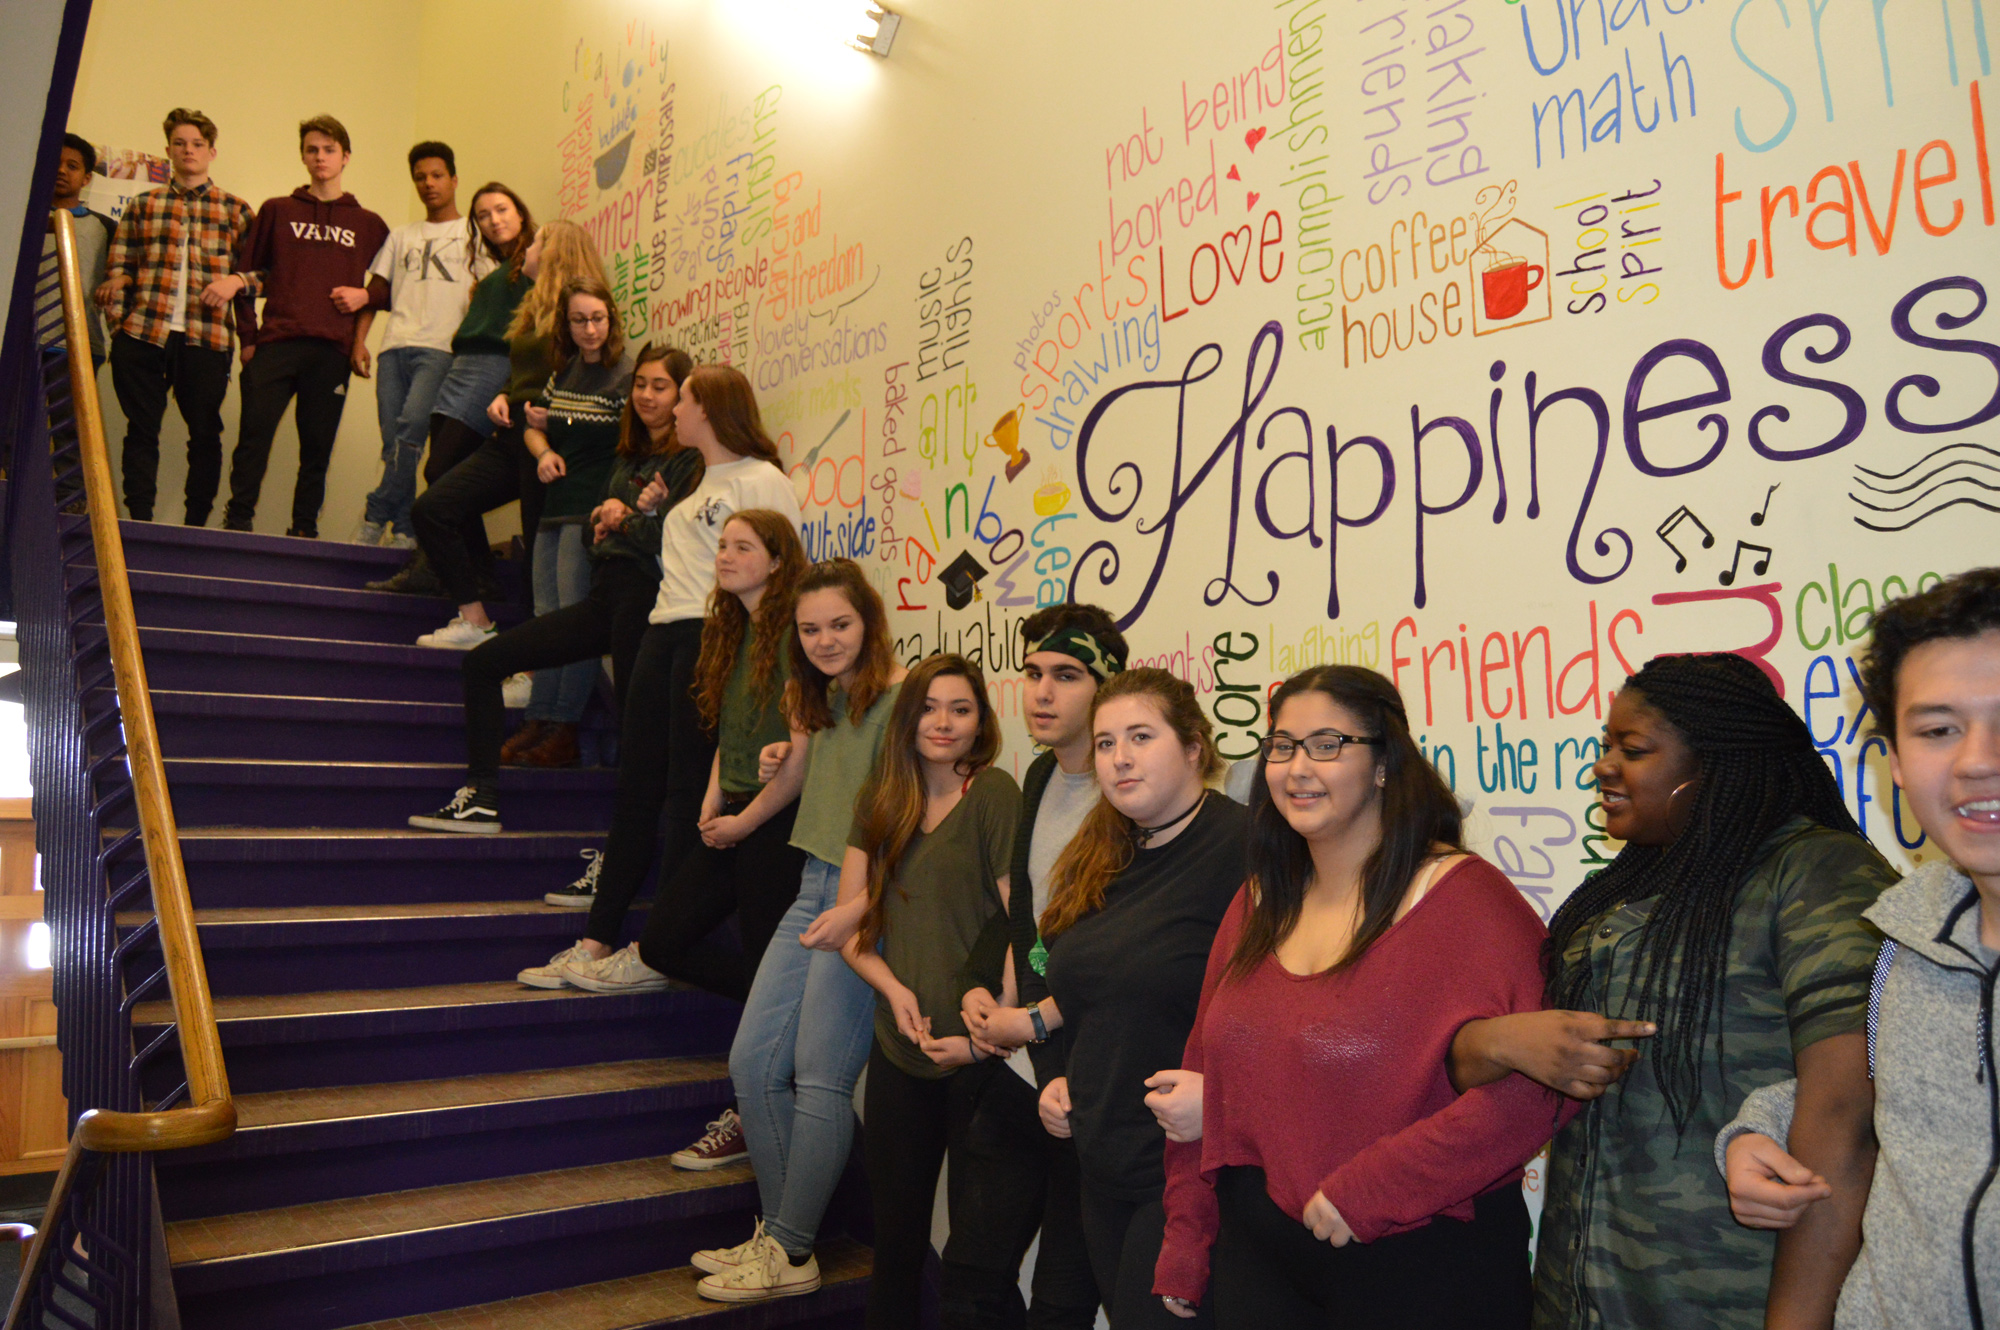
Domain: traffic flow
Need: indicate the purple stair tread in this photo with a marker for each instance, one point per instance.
(366, 844)
(268, 792)
(310, 926)
(268, 866)
(199, 723)
(371, 1232)
(267, 771)
(159, 547)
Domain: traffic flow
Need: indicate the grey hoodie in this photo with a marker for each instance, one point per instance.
(1931, 1232)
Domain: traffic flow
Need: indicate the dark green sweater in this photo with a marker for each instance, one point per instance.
(639, 536)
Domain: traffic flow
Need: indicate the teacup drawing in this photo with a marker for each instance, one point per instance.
(1506, 287)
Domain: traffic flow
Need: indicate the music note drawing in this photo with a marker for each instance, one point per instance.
(1728, 575)
(1757, 518)
(1666, 529)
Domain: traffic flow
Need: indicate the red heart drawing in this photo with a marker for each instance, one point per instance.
(1251, 202)
(1233, 175)
(1236, 268)
(1253, 138)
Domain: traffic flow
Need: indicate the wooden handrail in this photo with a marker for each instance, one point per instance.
(210, 1113)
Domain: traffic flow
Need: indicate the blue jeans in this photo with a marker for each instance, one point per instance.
(562, 579)
(805, 1036)
(406, 384)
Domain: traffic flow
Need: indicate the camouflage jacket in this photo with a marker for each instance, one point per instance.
(1636, 1229)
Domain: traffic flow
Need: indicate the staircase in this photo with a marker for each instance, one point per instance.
(422, 1142)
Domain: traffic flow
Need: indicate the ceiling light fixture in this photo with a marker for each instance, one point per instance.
(878, 42)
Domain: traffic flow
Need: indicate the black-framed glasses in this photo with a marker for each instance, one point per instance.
(1320, 745)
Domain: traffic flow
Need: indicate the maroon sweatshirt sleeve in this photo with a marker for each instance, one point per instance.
(253, 259)
(1483, 1135)
(1192, 1220)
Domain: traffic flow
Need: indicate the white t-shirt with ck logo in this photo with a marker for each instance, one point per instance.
(429, 284)
(693, 528)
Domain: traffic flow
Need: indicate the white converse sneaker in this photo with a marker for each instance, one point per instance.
(553, 975)
(718, 1259)
(398, 540)
(458, 635)
(722, 1146)
(763, 1274)
(367, 532)
(515, 690)
(620, 972)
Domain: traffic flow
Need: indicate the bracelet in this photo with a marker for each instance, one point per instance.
(1041, 1026)
(1178, 1302)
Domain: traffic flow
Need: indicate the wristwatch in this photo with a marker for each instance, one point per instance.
(1041, 1027)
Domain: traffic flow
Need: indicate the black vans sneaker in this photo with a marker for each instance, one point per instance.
(471, 809)
(582, 893)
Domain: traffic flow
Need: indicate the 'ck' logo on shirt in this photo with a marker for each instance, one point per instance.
(429, 265)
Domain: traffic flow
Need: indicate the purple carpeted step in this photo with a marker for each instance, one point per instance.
(424, 1133)
(290, 1041)
(196, 661)
(402, 1254)
(205, 724)
(287, 609)
(264, 866)
(160, 547)
(227, 792)
(310, 948)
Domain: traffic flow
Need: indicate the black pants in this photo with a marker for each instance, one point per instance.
(1065, 1288)
(609, 621)
(999, 1190)
(452, 441)
(142, 374)
(756, 879)
(1124, 1239)
(448, 516)
(314, 371)
(1268, 1270)
(663, 759)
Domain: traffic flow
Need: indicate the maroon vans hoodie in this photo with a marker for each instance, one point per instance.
(303, 248)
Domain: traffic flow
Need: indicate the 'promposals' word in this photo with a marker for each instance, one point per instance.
(1285, 503)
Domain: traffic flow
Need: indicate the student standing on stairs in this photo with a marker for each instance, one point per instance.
(480, 365)
(423, 275)
(172, 274)
(75, 161)
(809, 1023)
(933, 836)
(303, 246)
(449, 517)
(745, 863)
(1071, 650)
(664, 753)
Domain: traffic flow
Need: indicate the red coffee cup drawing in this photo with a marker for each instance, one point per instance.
(1506, 288)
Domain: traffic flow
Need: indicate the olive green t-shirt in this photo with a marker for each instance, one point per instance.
(837, 763)
(748, 723)
(941, 897)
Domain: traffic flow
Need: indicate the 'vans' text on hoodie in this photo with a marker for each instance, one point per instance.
(303, 247)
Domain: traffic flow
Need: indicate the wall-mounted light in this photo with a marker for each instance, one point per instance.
(878, 42)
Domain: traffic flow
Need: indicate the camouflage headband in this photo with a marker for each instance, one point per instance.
(1075, 640)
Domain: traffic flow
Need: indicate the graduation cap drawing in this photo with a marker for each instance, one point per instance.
(961, 580)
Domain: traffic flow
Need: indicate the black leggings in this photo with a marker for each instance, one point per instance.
(1268, 1270)
(1000, 1181)
(449, 516)
(452, 441)
(1124, 1239)
(756, 879)
(663, 759)
(1065, 1287)
(611, 620)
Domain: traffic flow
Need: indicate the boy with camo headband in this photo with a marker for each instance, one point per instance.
(1031, 1177)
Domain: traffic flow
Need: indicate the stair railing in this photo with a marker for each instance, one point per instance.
(96, 765)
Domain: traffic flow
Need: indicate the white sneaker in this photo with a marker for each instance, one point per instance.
(367, 532)
(763, 1274)
(515, 690)
(718, 1259)
(458, 635)
(620, 972)
(399, 540)
(553, 975)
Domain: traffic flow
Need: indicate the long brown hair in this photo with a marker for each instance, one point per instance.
(731, 408)
(1103, 845)
(635, 439)
(567, 254)
(806, 702)
(722, 633)
(562, 347)
(1419, 813)
(891, 806)
(511, 254)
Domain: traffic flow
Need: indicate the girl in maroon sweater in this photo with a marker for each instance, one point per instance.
(1338, 1177)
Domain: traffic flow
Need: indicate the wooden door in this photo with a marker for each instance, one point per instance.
(33, 1116)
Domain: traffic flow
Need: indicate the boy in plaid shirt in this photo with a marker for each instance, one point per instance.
(170, 275)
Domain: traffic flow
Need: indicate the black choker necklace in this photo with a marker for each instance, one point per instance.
(1141, 835)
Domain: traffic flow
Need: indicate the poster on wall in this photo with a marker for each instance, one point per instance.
(1496, 345)
(121, 175)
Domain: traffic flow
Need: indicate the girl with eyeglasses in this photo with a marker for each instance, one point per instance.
(1335, 1175)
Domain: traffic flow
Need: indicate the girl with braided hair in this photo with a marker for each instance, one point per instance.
(1729, 931)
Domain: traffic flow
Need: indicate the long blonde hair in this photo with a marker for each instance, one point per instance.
(1103, 846)
(567, 256)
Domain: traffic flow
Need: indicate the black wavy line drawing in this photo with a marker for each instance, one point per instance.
(1977, 503)
(1926, 459)
(1926, 477)
(1924, 497)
